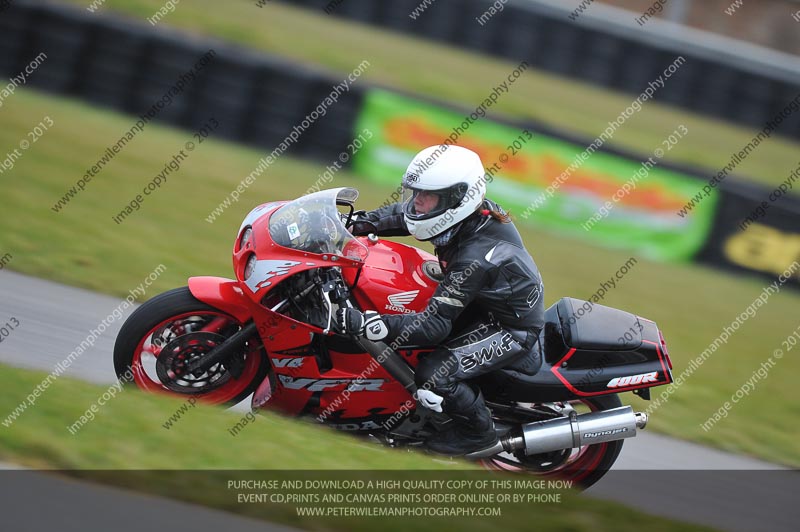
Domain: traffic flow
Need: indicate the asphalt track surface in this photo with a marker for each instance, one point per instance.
(655, 474)
(42, 501)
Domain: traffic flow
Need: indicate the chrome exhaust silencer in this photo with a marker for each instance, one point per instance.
(570, 432)
(581, 429)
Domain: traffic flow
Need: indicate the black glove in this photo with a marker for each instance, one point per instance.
(360, 226)
(369, 323)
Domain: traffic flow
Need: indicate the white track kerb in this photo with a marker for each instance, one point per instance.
(88, 342)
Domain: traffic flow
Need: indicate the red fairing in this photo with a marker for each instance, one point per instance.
(393, 280)
(223, 294)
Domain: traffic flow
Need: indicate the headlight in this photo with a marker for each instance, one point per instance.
(250, 266)
(247, 234)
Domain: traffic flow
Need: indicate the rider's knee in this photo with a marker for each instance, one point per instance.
(433, 372)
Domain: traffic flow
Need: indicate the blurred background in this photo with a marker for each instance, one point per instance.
(415, 72)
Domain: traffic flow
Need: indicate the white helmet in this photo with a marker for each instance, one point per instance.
(454, 176)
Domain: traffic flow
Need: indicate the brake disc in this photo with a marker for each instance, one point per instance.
(175, 356)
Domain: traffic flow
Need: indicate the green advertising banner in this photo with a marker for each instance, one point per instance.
(608, 199)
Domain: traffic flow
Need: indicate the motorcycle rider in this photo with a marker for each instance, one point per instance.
(488, 310)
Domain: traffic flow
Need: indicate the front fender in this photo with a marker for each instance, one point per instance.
(223, 294)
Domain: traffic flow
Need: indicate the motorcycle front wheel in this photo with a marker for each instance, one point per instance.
(170, 330)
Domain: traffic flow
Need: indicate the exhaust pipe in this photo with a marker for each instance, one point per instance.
(570, 432)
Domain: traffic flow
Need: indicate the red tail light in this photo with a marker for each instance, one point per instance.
(664, 348)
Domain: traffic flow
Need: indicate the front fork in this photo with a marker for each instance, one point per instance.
(226, 353)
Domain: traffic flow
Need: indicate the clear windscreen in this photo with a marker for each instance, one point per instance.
(314, 224)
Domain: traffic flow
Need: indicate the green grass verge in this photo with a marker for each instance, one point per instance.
(127, 433)
(460, 77)
(82, 246)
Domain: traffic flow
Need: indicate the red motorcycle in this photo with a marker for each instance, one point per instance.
(270, 333)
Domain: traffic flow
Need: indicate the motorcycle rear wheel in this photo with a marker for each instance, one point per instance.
(177, 325)
(583, 466)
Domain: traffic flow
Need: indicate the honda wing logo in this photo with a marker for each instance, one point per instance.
(398, 302)
(267, 269)
(403, 298)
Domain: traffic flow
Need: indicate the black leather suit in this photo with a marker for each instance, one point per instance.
(485, 314)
